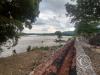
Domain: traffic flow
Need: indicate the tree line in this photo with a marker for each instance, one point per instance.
(17, 14)
(14, 16)
(86, 16)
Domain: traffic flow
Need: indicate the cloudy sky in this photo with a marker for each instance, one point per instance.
(51, 18)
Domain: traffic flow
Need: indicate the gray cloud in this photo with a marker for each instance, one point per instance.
(54, 5)
(52, 17)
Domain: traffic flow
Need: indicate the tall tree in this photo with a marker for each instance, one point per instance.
(85, 14)
(14, 14)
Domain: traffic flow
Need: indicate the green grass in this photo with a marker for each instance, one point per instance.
(47, 48)
(1, 50)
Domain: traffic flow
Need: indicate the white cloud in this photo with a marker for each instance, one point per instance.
(51, 18)
(51, 29)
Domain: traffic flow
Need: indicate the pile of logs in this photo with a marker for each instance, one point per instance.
(62, 62)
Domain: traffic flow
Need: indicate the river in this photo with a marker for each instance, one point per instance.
(33, 41)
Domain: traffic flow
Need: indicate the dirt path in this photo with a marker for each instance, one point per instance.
(21, 64)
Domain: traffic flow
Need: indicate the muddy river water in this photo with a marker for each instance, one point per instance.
(33, 41)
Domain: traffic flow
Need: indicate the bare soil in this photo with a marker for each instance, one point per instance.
(22, 64)
(95, 58)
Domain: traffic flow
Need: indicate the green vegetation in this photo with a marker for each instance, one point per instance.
(46, 48)
(65, 33)
(86, 16)
(59, 34)
(41, 48)
(29, 49)
(0, 50)
(14, 15)
(68, 33)
(95, 40)
(51, 34)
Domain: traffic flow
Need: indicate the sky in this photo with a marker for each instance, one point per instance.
(51, 18)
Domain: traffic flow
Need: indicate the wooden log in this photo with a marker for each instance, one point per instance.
(67, 63)
(52, 66)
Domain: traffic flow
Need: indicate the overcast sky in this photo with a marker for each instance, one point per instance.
(51, 18)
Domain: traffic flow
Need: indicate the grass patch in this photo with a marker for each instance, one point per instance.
(1, 50)
(47, 48)
(28, 48)
(40, 48)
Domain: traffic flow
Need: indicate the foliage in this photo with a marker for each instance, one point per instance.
(85, 14)
(41, 48)
(68, 33)
(29, 49)
(95, 40)
(46, 48)
(83, 28)
(84, 10)
(14, 14)
(1, 50)
(65, 33)
(59, 34)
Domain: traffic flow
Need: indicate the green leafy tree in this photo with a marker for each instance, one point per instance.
(59, 34)
(85, 14)
(85, 29)
(14, 15)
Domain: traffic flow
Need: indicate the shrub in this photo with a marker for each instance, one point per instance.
(29, 49)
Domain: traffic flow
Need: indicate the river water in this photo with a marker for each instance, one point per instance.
(33, 41)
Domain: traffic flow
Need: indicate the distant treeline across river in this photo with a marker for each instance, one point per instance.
(66, 33)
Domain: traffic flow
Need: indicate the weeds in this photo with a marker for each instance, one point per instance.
(1, 50)
(41, 48)
(29, 49)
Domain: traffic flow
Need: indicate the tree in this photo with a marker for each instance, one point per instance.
(85, 14)
(14, 14)
(85, 29)
(59, 34)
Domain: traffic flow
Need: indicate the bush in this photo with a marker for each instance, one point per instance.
(1, 50)
(29, 49)
(95, 40)
(41, 48)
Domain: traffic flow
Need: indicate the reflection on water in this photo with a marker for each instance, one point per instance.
(33, 41)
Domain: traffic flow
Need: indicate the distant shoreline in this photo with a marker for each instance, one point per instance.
(66, 33)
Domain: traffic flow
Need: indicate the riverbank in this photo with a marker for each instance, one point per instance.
(33, 41)
(22, 64)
